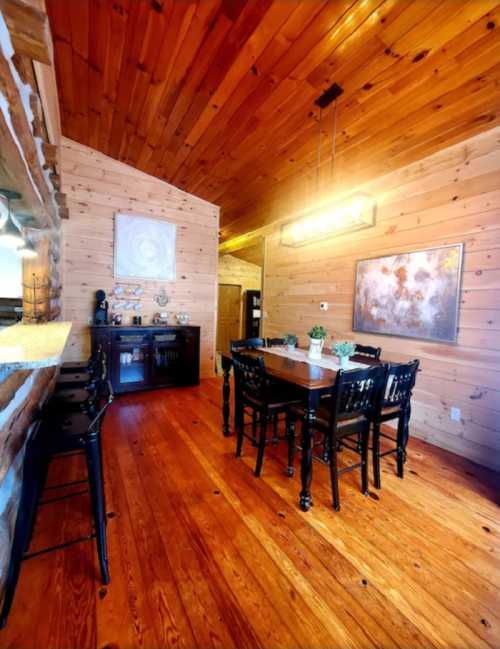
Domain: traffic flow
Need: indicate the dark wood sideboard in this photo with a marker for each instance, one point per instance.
(145, 357)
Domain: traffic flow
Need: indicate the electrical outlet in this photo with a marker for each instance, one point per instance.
(455, 414)
(323, 306)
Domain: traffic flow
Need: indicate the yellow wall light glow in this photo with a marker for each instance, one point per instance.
(355, 212)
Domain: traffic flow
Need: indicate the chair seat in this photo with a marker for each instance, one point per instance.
(322, 421)
(76, 379)
(71, 395)
(278, 400)
(74, 366)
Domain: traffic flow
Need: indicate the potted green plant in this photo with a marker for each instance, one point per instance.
(290, 341)
(343, 351)
(317, 335)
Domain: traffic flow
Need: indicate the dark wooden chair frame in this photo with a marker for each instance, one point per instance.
(355, 395)
(395, 404)
(368, 351)
(274, 342)
(254, 390)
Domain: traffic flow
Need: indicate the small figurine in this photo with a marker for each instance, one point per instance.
(101, 308)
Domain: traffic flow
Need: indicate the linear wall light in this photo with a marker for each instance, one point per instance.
(355, 212)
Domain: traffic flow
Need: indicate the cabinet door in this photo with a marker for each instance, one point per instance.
(167, 358)
(130, 365)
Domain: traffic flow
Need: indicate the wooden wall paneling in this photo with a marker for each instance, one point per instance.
(97, 187)
(449, 197)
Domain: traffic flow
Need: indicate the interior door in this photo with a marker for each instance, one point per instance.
(228, 319)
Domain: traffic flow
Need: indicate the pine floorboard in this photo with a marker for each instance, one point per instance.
(202, 554)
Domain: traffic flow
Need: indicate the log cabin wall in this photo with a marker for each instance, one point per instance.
(452, 196)
(238, 271)
(21, 393)
(97, 187)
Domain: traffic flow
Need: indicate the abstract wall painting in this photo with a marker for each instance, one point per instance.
(413, 294)
(144, 247)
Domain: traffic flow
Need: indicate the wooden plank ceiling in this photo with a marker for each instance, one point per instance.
(217, 96)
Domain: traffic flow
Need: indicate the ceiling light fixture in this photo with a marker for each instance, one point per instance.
(10, 235)
(353, 212)
(28, 250)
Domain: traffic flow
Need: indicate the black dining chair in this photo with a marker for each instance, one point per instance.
(368, 351)
(395, 404)
(240, 346)
(346, 415)
(275, 342)
(245, 343)
(70, 432)
(255, 391)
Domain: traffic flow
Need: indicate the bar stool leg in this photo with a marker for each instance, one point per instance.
(262, 443)
(290, 433)
(376, 456)
(334, 474)
(96, 481)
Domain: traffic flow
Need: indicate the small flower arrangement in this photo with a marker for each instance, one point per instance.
(290, 340)
(318, 332)
(343, 351)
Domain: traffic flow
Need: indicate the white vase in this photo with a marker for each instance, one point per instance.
(290, 348)
(315, 348)
(343, 362)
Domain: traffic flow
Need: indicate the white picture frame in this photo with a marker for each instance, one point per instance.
(144, 247)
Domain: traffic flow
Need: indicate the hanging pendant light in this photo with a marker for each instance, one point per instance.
(27, 251)
(10, 235)
(331, 217)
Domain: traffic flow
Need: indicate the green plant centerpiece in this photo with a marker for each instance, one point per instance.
(317, 335)
(290, 341)
(343, 351)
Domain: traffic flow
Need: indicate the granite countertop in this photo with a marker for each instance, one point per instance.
(29, 346)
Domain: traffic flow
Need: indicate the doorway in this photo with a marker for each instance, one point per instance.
(229, 317)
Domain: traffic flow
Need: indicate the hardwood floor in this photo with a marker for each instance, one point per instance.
(202, 554)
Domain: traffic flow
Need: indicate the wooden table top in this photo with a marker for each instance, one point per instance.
(305, 375)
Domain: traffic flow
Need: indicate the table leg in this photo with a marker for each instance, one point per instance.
(226, 391)
(307, 452)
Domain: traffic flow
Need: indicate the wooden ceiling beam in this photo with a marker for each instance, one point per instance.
(29, 30)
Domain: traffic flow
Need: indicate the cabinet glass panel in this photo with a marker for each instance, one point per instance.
(132, 365)
(166, 362)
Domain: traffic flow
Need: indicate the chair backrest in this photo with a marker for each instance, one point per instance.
(250, 376)
(400, 383)
(274, 342)
(106, 397)
(368, 351)
(245, 343)
(357, 392)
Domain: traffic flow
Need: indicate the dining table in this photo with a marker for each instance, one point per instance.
(311, 381)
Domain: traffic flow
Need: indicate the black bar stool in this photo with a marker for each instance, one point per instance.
(396, 404)
(68, 432)
(255, 391)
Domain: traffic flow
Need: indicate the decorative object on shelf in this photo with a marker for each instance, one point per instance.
(144, 247)
(344, 351)
(182, 318)
(118, 290)
(413, 294)
(317, 335)
(290, 341)
(137, 320)
(161, 298)
(161, 318)
(36, 299)
(117, 318)
(101, 308)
